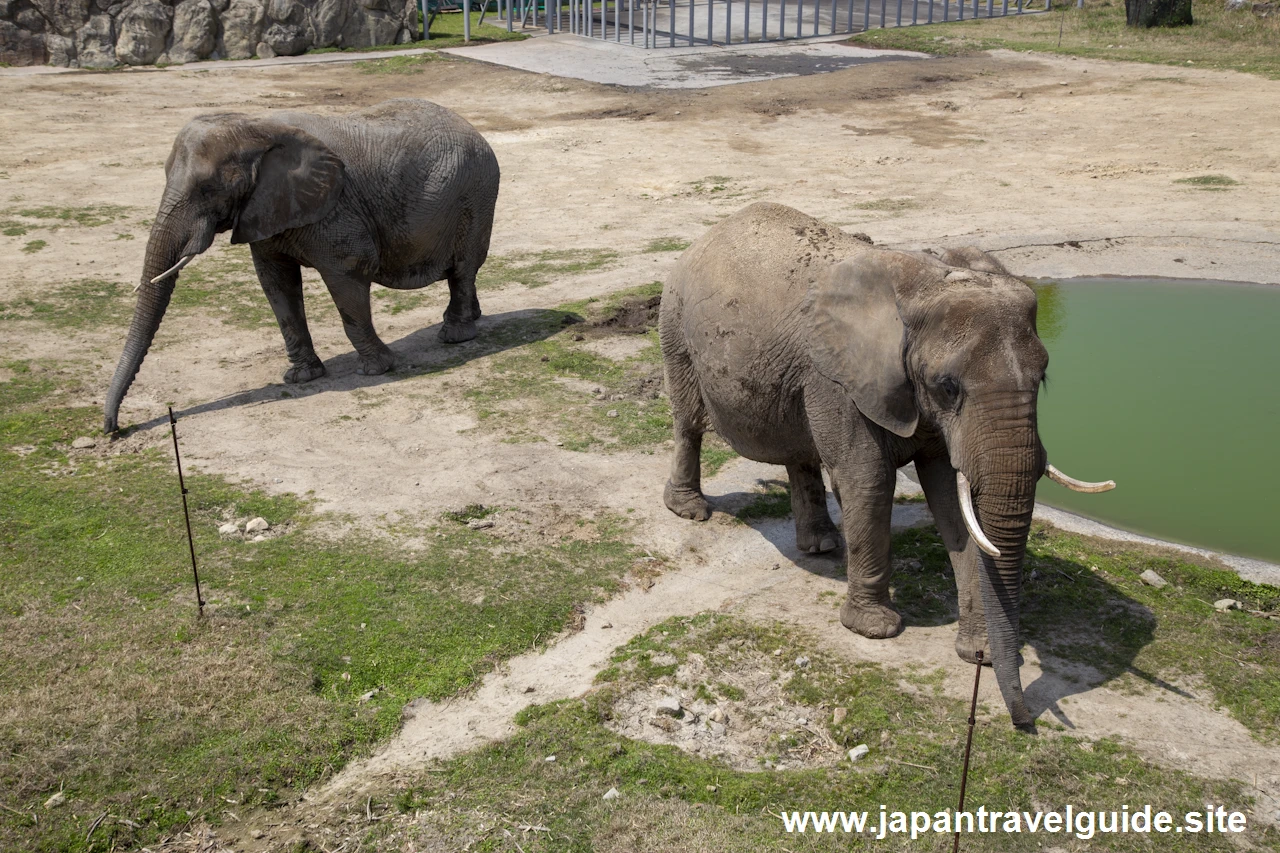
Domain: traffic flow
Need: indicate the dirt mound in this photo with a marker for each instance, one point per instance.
(636, 315)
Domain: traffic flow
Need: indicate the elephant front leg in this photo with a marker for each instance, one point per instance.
(815, 532)
(281, 280)
(463, 311)
(351, 295)
(938, 479)
(866, 493)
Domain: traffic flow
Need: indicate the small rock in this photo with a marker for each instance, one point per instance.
(257, 525)
(365, 697)
(529, 689)
(718, 729)
(859, 752)
(838, 716)
(713, 788)
(55, 801)
(256, 833)
(777, 653)
(278, 480)
(84, 443)
(259, 538)
(480, 523)
(802, 721)
(229, 529)
(718, 716)
(550, 758)
(670, 706)
(1225, 604)
(1150, 578)
(346, 676)
(802, 661)
(613, 413)
(611, 794)
(606, 624)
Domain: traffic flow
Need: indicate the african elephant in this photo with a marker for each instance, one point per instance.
(401, 194)
(803, 346)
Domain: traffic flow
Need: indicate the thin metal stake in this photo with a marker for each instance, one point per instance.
(191, 542)
(964, 777)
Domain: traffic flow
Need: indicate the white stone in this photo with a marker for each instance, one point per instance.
(84, 443)
(859, 752)
(229, 529)
(838, 715)
(257, 525)
(1150, 578)
(802, 661)
(480, 523)
(550, 758)
(55, 801)
(613, 413)
(611, 794)
(718, 729)
(1225, 604)
(670, 706)
(718, 716)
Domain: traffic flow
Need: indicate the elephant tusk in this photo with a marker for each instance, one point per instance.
(182, 262)
(971, 520)
(1078, 485)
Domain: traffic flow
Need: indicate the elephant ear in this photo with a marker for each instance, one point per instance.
(298, 182)
(858, 337)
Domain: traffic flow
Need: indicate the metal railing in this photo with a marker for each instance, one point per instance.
(674, 23)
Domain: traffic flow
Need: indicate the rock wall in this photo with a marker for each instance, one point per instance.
(107, 33)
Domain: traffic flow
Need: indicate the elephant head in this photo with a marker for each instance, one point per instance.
(254, 177)
(949, 347)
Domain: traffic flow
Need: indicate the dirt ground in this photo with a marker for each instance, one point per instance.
(1063, 167)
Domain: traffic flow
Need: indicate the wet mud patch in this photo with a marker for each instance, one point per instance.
(633, 315)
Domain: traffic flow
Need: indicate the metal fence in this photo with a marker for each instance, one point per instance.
(683, 23)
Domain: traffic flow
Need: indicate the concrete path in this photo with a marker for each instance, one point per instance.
(696, 67)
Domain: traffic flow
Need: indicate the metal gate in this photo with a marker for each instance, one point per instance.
(683, 23)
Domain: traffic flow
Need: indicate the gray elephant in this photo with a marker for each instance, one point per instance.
(803, 346)
(401, 194)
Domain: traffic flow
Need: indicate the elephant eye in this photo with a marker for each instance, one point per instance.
(949, 388)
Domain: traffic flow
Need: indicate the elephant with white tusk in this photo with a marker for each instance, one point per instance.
(803, 346)
(401, 194)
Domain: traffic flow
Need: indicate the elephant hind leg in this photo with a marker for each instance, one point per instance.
(464, 308)
(815, 532)
(351, 295)
(683, 492)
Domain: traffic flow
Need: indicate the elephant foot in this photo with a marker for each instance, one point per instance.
(303, 373)
(968, 646)
(686, 503)
(818, 541)
(456, 333)
(874, 621)
(376, 365)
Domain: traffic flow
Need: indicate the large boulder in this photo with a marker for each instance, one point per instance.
(195, 31)
(19, 46)
(7, 7)
(64, 17)
(328, 18)
(242, 26)
(142, 30)
(61, 50)
(287, 12)
(367, 27)
(285, 40)
(96, 44)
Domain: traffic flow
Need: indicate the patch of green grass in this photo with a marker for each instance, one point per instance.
(85, 303)
(90, 216)
(224, 285)
(118, 695)
(671, 799)
(535, 269)
(1219, 39)
(34, 246)
(471, 512)
(13, 229)
(774, 502)
(888, 205)
(666, 244)
(716, 453)
(547, 389)
(1209, 182)
(411, 64)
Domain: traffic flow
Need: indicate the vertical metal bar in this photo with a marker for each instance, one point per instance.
(1019, 7)
(884, 12)
(960, 9)
(182, 486)
(764, 20)
(991, 12)
(850, 17)
(931, 11)
(746, 21)
(946, 10)
(899, 13)
(833, 17)
(782, 19)
(466, 21)
(691, 23)
(915, 12)
(968, 744)
(866, 17)
(800, 18)
(1004, 7)
(975, 8)
(728, 22)
(817, 16)
(631, 20)
(671, 21)
(711, 30)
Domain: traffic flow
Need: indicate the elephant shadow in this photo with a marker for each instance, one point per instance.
(419, 353)
(1085, 631)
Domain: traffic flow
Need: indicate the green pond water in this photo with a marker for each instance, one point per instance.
(1172, 389)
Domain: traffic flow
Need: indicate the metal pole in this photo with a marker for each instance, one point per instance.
(182, 485)
(728, 22)
(800, 18)
(931, 10)
(964, 777)
(711, 30)
(833, 17)
(915, 12)
(746, 21)
(466, 21)
(884, 9)
(866, 16)
(764, 20)
(900, 12)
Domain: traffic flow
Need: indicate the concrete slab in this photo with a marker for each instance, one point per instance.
(598, 61)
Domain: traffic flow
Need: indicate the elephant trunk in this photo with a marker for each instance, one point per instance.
(1008, 462)
(170, 239)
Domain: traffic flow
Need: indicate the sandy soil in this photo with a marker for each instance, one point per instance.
(1012, 153)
